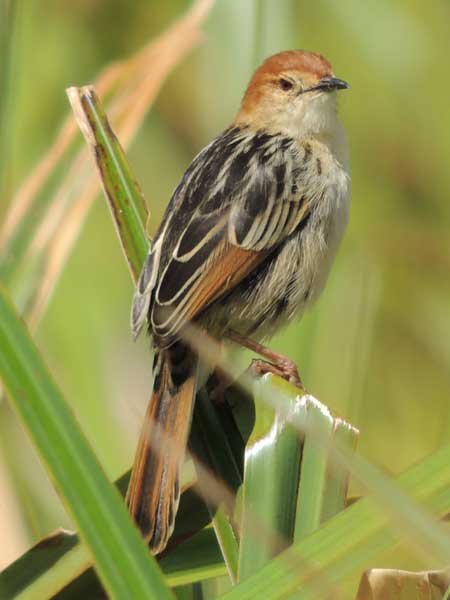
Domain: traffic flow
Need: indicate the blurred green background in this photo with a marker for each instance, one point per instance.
(376, 347)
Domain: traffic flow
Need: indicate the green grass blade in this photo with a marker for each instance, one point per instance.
(57, 561)
(404, 511)
(348, 541)
(323, 483)
(195, 560)
(199, 558)
(120, 556)
(313, 472)
(226, 537)
(335, 494)
(120, 186)
(272, 462)
(61, 561)
(43, 570)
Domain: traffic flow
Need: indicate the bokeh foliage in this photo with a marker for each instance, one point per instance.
(375, 348)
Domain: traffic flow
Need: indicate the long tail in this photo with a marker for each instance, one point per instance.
(154, 491)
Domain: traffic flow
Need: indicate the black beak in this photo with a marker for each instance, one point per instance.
(328, 84)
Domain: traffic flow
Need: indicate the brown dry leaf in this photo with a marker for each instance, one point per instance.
(131, 87)
(393, 584)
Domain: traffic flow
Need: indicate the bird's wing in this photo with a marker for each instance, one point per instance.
(254, 200)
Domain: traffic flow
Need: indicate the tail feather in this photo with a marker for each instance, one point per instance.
(154, 491)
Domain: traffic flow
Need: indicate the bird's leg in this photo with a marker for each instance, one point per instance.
(279, 364)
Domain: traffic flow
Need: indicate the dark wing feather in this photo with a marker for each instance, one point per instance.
(228, 265)
(239, 199)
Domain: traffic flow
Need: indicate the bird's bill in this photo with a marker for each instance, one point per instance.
(328, 84)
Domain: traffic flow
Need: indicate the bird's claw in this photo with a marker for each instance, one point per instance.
(286, 369)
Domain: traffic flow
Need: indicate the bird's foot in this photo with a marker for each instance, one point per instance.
(275, 363)
(285, 368)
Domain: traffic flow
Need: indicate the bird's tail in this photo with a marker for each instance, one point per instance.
(154, 491)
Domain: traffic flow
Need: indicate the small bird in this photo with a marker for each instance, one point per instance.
(246, 243)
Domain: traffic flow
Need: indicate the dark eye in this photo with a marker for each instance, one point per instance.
(286, 85)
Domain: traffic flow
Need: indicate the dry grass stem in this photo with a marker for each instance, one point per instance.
(131, 86)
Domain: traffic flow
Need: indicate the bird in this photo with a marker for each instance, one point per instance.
(245, 245)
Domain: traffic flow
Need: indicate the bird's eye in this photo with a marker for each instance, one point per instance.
(285, 84)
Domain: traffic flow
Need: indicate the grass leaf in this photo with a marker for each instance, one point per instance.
(120, 186)
(311, 493)
(62, 562)
(348, 541)
(272, 465)
(96, 508)
(336, 486)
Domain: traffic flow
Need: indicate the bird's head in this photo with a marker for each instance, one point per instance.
(292, 92)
